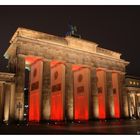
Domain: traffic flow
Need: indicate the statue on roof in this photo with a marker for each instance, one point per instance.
(72, 31)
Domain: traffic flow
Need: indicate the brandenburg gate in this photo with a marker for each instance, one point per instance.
(69, 78)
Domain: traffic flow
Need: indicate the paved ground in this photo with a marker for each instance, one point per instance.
(92, 127)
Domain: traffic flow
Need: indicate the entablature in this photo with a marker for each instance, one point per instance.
(7, 77)
(66, 45)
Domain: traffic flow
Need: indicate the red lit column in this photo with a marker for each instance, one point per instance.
(101, 85)
(116, 94)
(81, 92)
(57, 111)
(35, 91)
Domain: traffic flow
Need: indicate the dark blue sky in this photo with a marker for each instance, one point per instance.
(114, 27)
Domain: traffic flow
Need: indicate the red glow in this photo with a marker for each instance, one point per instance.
(102, 114)
(31, 59)
(115, 85)
(57, 90)
(81, 108)
(56, 107)
(35, 91)
(101, 93)
(76, 67)
(116, 107)
(34, 110)
(55, 62)
(81, 97)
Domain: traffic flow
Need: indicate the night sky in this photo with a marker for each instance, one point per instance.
(115, 28)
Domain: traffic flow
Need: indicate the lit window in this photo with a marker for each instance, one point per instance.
(137, 83)
(130, 82)
(134, 82)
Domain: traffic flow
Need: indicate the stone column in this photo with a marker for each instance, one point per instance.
(109, 96)
(90, 94)
(20, 78)
(1, 101)
(12, 103)
(121, 85)
(69, 92)
(129, 103)
(107, 88)
(7, 97)
(123, 97)
(46, 91)
(8, 101)
(126, 101)
(136, 104)
(94, 94)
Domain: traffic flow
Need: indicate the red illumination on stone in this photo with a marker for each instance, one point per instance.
(56, 107)
(81, 92)
(76, 67)
(55, 62)
(34, 107)
(31, 59)
(57, 90)
(115, 86)
(101, 92)
(35, 91)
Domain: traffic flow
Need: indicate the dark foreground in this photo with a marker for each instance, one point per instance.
(92, 127)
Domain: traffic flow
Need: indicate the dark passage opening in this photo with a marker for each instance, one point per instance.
(26, 95)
